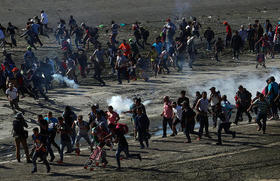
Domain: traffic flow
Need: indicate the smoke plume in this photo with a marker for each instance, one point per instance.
(61, 79)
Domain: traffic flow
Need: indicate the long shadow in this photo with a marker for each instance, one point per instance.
(55, 174)
(4, 167)
(178, 151)
(151, 170)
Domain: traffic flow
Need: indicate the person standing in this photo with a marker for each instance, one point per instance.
(20, 136)
(83, 128)
(251, 38)
(142, 123)
(44, 132)
(40, 150)
(188, 117)
(44, 20)
(121, 67)
(202, 117)
(236, 44)
(209, 36)
(167, 115)
(69, 118)
(177, 117)
(11, 29)
(191, 50)
(215, 102)
(228, 33)
(271, 95)
(13, 96)
(65, 140)
(219, 47)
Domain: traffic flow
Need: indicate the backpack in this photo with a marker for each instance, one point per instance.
(122, 127)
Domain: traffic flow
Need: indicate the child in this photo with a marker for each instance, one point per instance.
(40, 150)
(260, 60)
(263, 109)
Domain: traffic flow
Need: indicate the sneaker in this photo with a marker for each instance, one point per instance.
(189, 141)
(18, 160)
(172, 134)
(118, 169)
(233, 58)
(52, 159)
(259, 128)
(163, 136)
(219, 143)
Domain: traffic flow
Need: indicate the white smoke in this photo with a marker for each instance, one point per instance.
(253, 82)
(121, 104)
(181, 7)
(70, 83)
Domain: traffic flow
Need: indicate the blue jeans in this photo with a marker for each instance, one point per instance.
(209, 45)
(43, 156)
(64, 144)
(263, 117)
(180, 61)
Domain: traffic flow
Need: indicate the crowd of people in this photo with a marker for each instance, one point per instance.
(173, 47)
(104, 129)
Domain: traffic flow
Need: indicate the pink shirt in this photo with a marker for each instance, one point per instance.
(167, 110)
(112, 117)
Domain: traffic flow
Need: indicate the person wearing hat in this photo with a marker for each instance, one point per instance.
(20, 136)
(12, 95)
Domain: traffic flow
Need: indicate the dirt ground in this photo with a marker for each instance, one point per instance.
(251, 156)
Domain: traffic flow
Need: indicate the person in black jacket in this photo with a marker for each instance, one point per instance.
(251, 37)
(236, 45)
(188, 116)
(142, 124)
(209, 35)
(20, 136)
(145, 35)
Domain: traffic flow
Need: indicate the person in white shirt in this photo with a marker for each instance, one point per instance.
(12, 94)
(44, 20)
(177, 117)
(215, 102)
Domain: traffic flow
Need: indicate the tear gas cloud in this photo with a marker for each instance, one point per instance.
(70, 83)
(121, 104)
(228, 86)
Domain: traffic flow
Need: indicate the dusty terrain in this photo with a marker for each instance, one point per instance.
(167, 159)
